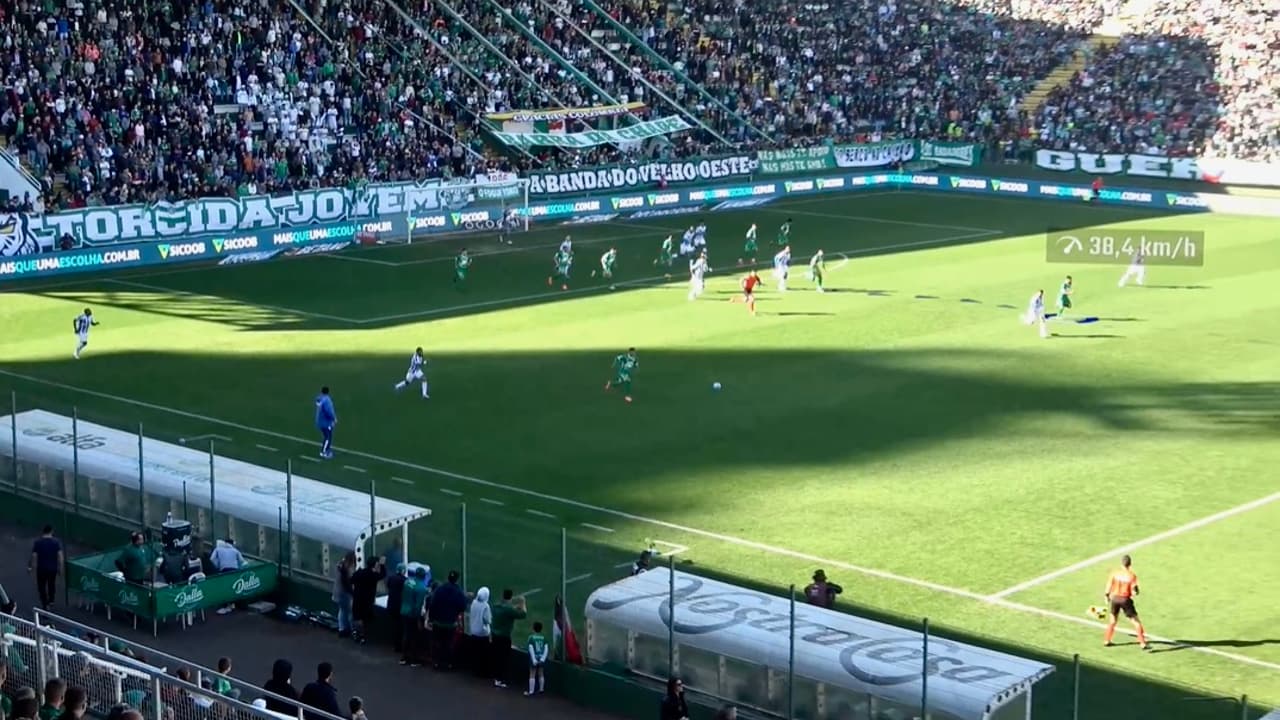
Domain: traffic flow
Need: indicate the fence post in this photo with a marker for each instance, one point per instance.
(142, 488)
(42, 675)
(157, 707)
(924, 673)
(13, 428)
(791, 658)
(463, 511)
(279, 539)
(213, 496)
(1244, 707)
(373, 520)
(1075, 687)
(671, 621)
(288, 509)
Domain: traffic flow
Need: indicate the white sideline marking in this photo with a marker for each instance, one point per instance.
(721, 537)
(223, 300)
(577, 578)
(268, 448)
(527, 593)
(194, 438)
(447, 491)
(885, 221)
(401, 480)
(601, 528)
(1123, 549)
(308, 458)
(539, 513)
(353, 468)
(491, 501)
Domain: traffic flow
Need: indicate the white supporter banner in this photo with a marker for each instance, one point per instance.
(878, 154)
(248, 492)
(643, 175)
(833, 648)
(1210, 170)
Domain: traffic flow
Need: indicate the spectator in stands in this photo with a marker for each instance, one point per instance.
(222, 683)
(479, 626)
(55, 693)
(281, 683)
(226, 558)
(395, 555)
(176, 697)
(364, 593)
(673, 705)
(321, 694)
(342, 590)
(356, 706)
(822, 592)
(727, 712)
(76, 704)
(413, 606)
(505, 615)
(642, 563)
(46, 561)
(26, 708)
(6, 705)
(395, 597)
(448, 603)
(133, 561)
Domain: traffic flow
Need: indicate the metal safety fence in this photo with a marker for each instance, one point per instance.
(114, 672)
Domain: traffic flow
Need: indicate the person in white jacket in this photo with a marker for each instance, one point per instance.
(479, 621)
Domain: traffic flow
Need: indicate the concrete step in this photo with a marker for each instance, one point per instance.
(1062, 74)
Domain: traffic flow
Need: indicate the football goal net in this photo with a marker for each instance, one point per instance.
(498, 207)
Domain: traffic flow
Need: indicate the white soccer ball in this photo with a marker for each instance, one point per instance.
(715, 386)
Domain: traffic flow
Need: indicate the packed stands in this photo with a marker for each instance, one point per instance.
(138, 101)
(1203, 78)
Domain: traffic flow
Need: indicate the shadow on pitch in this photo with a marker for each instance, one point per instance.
(1179, 287)
(1094, 336)
(1167, 647)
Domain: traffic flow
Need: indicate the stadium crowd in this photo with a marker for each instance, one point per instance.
(126, 101)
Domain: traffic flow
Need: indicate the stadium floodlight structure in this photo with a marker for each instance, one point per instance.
(495, 203)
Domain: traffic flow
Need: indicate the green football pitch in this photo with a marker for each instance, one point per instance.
(903, 431)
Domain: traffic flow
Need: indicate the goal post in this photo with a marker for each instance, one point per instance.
(493, 205)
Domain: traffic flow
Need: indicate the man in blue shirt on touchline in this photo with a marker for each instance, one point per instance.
(326, 418)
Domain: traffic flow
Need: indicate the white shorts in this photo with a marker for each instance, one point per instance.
(83, 337)
(413, 375)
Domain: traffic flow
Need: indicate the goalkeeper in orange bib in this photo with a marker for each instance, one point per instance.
(749, 285)
(1122, 588)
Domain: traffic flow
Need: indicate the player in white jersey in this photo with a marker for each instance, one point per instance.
(417, 371)
(698, 269)
(1137, 269)
(781, 267)
(510, 223)
(1035, 313)
(81, 325)
(566, 246)
(700, 237)
(686, 243)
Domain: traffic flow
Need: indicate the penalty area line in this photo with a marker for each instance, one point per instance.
(805, 557)
(1138, 544)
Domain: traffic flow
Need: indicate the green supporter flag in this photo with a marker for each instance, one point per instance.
(639, 131)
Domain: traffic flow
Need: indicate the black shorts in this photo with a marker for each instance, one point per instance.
(1123, 605)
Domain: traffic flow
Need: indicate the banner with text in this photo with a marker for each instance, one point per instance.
(562, 114)
(621, 177)
(880, 154)
(592, 138)
(1209, 170)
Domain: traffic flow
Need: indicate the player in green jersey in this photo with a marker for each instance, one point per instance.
(817, 266)
(563, 262)
(1064, 297)
(666, 255)
(461, 265)
(624, 366)
(749, 247)
(607, 262)
(784, 234)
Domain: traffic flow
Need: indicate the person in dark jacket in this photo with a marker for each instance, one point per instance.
(673, 705)
(448, 603)
(364, 591)
(281, 683)
(321, 694)
(395, 595)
